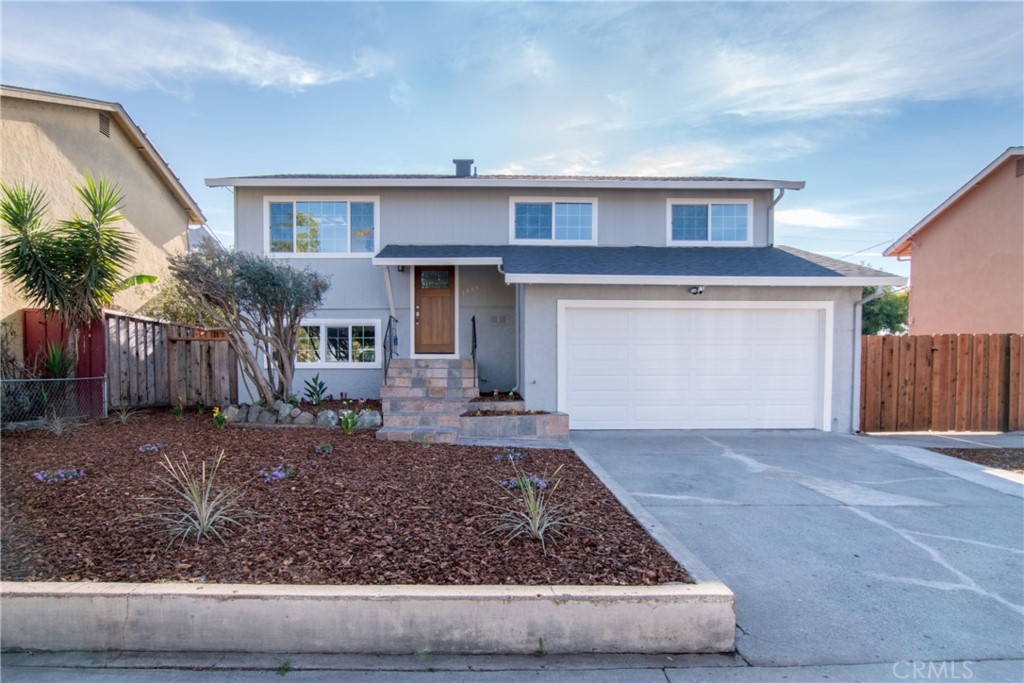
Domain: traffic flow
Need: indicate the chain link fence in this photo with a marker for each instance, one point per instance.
(24, 400)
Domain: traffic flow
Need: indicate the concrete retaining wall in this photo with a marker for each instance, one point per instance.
(367, 619)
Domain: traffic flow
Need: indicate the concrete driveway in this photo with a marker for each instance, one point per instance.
(840, 549)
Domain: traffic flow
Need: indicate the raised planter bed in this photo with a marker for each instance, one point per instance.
(475, 424)
(361, 523)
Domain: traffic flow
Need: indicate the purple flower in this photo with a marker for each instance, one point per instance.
(276, 473)
(150, 448)
(524, 481)
(60, 475)
(508, 456)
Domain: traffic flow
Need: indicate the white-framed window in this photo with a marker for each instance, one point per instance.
(710, 222)
(321, 226)
(339, 344)
(546, 220)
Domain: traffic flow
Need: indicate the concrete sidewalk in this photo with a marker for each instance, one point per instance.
(239, 668)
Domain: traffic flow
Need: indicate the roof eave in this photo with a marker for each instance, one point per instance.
(902, 246)
(476, 182)
(151, 155)
(717, 280)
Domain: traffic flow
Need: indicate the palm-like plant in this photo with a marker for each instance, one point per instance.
(75, 268)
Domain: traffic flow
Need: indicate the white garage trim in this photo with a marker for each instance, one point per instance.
(827, 343)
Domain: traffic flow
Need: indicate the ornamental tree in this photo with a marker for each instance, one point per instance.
(259, 302)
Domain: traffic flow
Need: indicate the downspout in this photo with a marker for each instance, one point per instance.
(858, 326)
(771, 216)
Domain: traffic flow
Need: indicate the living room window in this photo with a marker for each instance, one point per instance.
(542, 220)
(706, 222)
(338, 344)
(335, 226)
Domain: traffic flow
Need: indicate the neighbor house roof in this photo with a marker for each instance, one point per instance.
(135, 135)
(903, 246)
(752, 266)
(517, 181)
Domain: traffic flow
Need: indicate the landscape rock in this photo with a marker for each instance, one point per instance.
(234, 414)
(284, 419)
(284, 412)
(304, 418)
(277, 405)
(254, 414)
(369, 419)
(294, 413)
(267, 417)
(327, 418)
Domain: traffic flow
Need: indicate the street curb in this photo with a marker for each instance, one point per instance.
(672, 618)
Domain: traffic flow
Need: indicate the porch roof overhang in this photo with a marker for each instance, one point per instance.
(738, 266)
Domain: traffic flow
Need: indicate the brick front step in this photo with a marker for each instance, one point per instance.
(440, 392)
(419, 434)
(547, 426)
(497, 406)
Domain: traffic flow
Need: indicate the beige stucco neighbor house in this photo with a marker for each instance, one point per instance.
(50, 140)
(967, 256)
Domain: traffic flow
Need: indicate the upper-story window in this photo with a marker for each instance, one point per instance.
(541, 220)
(322, 225)
(704, 222)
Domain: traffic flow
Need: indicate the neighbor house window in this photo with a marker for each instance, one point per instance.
(322, 226)
(337, 344)
(553, 220)
(704, 222)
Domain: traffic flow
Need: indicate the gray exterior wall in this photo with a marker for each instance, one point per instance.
(540, 329)
(481, 216)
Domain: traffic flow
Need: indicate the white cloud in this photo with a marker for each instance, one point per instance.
(125, 46)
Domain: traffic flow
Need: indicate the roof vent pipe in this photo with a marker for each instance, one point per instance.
(463, 167)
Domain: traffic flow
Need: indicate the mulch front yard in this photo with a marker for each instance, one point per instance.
(1011, 459)
(371, 512)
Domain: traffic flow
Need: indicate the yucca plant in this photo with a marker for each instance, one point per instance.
(75, 267)
(533, 513)
(197, 507)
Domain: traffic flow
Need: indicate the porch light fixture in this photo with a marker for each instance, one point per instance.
(697, 291)
(401, 269)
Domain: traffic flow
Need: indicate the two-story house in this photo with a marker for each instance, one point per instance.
(49, 141)
(967, 255)
(626, 302)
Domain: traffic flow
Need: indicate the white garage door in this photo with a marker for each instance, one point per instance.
(650, 366)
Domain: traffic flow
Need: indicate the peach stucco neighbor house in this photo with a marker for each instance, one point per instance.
(49, 140)
(967, 256)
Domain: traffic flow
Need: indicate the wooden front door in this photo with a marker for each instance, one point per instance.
(435, 309)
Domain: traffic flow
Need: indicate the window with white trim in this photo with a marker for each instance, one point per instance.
(540, 220)
(321, 225)
(338, 344)
(704, 222)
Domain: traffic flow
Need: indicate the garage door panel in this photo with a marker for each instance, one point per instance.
(692, 368)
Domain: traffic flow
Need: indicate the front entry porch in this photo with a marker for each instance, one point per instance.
(423, 399)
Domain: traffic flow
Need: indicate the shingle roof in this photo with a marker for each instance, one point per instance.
(740, 262)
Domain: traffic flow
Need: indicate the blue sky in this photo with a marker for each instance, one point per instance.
(884, 109)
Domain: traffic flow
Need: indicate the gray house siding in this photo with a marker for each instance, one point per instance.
(481, 215)
(541, 323)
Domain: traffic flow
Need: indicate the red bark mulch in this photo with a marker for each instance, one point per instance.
(1011, 459)
(372, 512)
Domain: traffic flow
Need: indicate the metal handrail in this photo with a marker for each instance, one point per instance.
(390, 344)
(472, 322)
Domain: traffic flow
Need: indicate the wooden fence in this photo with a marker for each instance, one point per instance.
(153, 363)
(943, 382)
